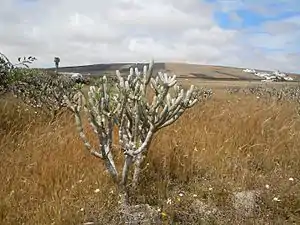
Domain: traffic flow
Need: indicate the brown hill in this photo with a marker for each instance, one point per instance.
(211, 72)
(182, 70)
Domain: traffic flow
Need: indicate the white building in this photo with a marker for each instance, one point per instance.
(249, 70)
(274, 76)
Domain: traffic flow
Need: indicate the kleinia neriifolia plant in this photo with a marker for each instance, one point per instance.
(139, 105)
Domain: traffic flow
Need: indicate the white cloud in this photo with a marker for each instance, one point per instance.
(83, 32)
(214, 36)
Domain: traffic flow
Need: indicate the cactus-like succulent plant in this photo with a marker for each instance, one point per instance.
(139, 105)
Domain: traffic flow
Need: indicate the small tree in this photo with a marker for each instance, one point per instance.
(56, 62)
(10, 73)
(139, 106)
(40, 89)
(35, 87)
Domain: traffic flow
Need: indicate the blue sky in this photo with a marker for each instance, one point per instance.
(249, 17)
(268, 26)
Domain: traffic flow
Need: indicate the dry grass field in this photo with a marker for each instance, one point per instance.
(231, 143)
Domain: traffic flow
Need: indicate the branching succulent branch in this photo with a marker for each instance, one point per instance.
(101, 111)
(144, 117)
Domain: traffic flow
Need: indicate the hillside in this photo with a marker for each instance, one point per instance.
(217, 73)
(99, 69)
(182, 70)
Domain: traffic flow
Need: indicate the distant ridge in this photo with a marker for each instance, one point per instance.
(182, 70)
(99, 69)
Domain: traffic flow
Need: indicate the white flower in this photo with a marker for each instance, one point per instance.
(291, 179)
(210, 189)
(82, 209)
(97, 190)
(267, 186)
(169, 201)
(194, 195)
(276, 199)
(180, 194)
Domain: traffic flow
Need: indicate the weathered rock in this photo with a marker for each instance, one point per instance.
(245, 203)
(142, 214)
(203, 210)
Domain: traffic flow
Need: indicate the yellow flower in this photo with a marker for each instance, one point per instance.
(163, 214)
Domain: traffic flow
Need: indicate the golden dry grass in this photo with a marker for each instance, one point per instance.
(229, 144)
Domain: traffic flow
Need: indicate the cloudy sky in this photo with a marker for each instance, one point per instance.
(246, 33)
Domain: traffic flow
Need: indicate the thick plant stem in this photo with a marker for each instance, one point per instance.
(123, 203)
(123, 189)
(137, 170)
(125, 172)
